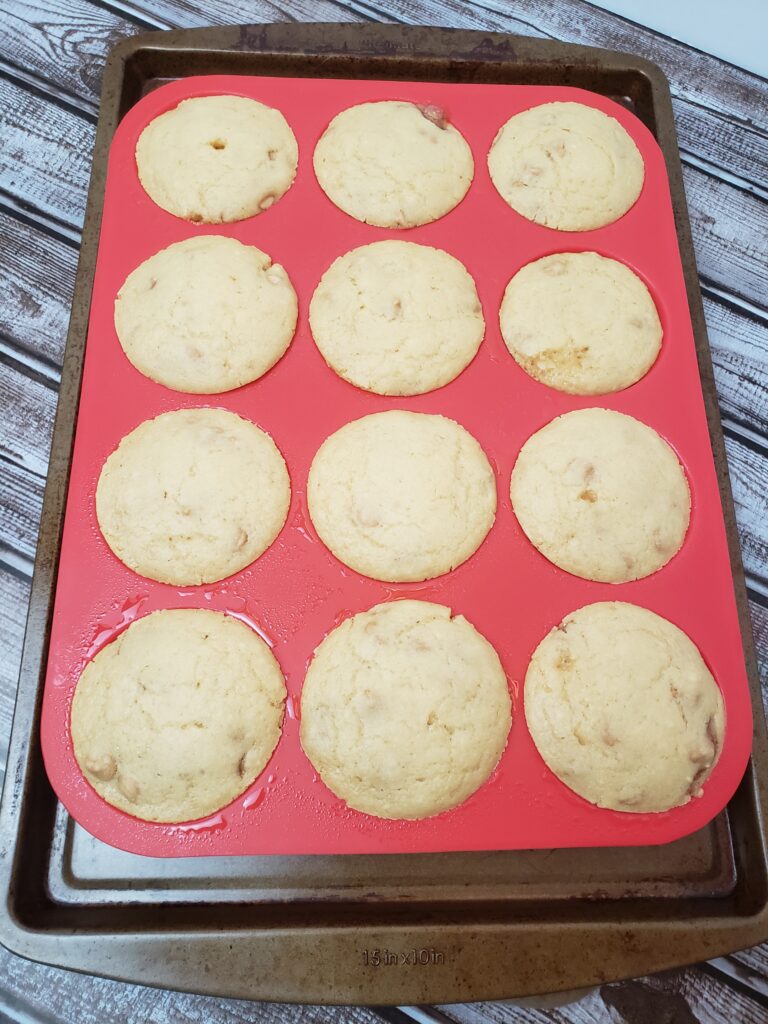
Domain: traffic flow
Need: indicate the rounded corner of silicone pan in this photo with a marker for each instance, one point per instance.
(297, 591)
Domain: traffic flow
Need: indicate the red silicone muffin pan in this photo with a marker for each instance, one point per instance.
(297, 591)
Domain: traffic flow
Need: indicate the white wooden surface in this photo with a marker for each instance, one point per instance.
(51, 57)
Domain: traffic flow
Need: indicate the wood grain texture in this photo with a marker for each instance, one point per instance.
(20, 515)
(27, 420)
(739, 345)
(749, 481)
(65, 41)
(14, 595)
(36, 285)
(759, 615)
(730, 226)
(754, 965)
(45, 155)
(742, 973)
(724, 143)
(62, 42)
(191, 13)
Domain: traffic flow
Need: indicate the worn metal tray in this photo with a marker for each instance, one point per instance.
(379, 929)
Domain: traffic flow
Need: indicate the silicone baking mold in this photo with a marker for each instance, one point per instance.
(297, 591)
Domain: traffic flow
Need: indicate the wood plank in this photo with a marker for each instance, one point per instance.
(194, 13)
(690, 996)
(19, 514)
(749, 482)
(63, 42)
(702, 78)
(14, 598)
(759, 615)
(739, 345)
(724, 143)
(45, 154)
(729, 232)
(753, 964)
(37, 278)
(742, 974)
(27, 421)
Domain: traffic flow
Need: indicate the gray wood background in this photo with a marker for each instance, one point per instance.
(51, 58)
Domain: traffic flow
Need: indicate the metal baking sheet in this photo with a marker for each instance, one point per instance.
(491, 925)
